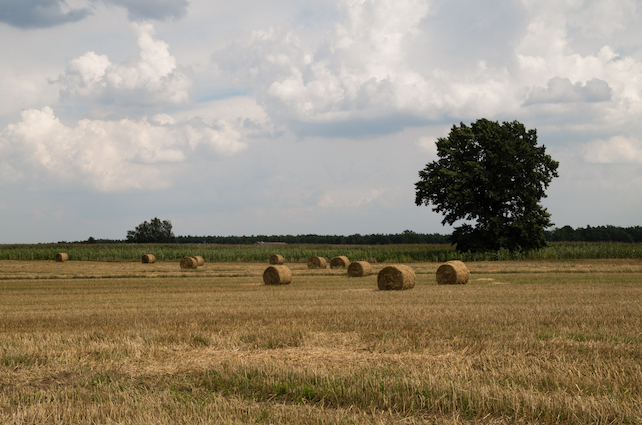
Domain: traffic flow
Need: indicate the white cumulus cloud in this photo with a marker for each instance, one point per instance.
(410, 62)
(428, 145)
(364, 69)
(615, 150)
(349, 197)
(154, 78)
(561, 90)
(556, 73)
(109, 156)
(602, 18)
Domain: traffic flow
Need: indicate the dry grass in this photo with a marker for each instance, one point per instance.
(148, 344)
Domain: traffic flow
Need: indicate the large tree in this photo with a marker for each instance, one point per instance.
(155, 231)
(494, 175)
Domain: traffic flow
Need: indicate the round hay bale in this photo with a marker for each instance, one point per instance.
(276, 259)
(62, 256)
(340, 262)
(359, 269)
(315, 262)
(148, 258)
(396, 278)
(452, 273)
(189, 263)
(277, 275)
(199, 260)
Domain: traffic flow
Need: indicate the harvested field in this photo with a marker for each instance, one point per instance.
(521, 342)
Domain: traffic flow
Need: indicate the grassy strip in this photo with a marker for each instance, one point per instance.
(300, 253)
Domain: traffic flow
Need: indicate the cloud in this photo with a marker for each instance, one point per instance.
(390, 65)
(361, 73)
(20, 90)
(139, 10)
(349, 197)
(602, 18)
(561, 90)
(546, 59)
(428, 145)
(32, 14)
(153, 78)
(109, 156)
(615, 150)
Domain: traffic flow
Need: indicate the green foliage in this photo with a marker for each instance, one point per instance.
(155, 231)
(596, 234)
(494, 175)
(407, 237)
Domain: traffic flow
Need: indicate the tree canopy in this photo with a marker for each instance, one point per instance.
(494, 175)
(155, 231)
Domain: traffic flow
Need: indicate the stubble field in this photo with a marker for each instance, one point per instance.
(130, 343)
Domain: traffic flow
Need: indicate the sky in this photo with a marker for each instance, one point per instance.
(302, 116)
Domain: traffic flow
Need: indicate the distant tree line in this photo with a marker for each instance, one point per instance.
(563, 234)
(557, 234)
(407, 237)
(595, 234)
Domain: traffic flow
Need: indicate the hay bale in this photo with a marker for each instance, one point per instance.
(148, 258)
(339, 262)
(62, 256)
(359, 269)
(452, 273)
(189, 263)
(315, 262)
(199, 260)
(276, 259)
(277, 275)
(396, 278)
